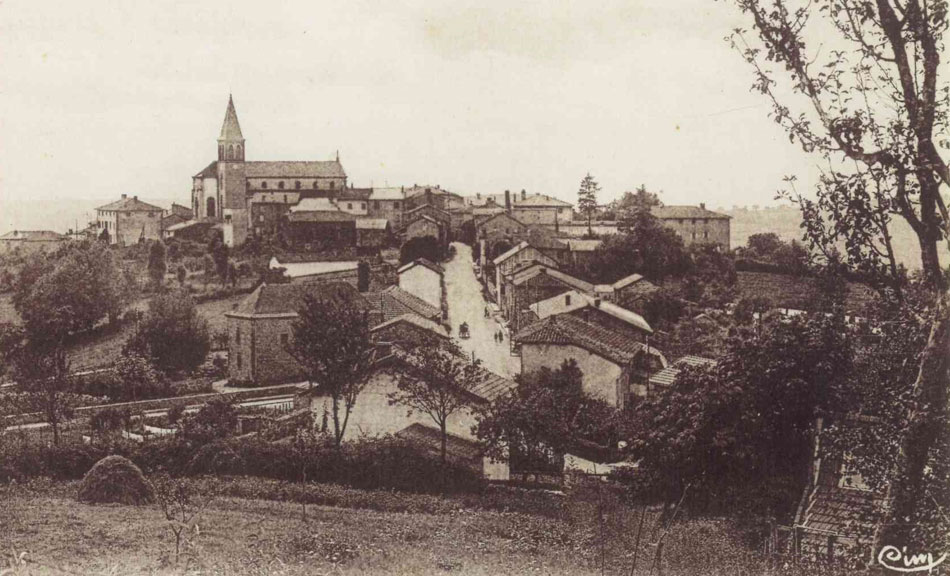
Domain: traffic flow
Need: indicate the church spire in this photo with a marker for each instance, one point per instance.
(231, 141)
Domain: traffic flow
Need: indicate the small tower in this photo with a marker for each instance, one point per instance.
(231, 141)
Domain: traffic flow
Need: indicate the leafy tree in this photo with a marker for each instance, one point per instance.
(172, 334)
(875, 108)
(135, 378)
(436, 381)
(331, 342)
(743, 428)
(587, 199)
(221, 254)
(157, 267)
(207, 266)
(785, 257)
(427, 247)
(215, 420)
(632, 202)
(104, 236)
(544, 417)
(643, 246)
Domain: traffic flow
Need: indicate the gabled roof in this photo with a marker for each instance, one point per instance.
(487, 211)
(417, 321)
(559, 305)
(304, 269)
(33, 236)
(626, 281)
(798, 292)
(132, 204)
(566, 279)
(490, 385)
(501, 214)
(181, 210)
(538, 201)
(429, 207)
(210, 171)
(506, 255)
(424, 262)
(570, 330)
(667, 376)
(173, 219)
(231, 128)
(457, 449)
(544, 239)
(686, 212)
(319, 204)
(284, 300)
(437, 190)
(425, 217)
(371, 224)
(298, 169)
(394, 302)
(355, 194)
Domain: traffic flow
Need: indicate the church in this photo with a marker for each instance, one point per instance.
(221, 193)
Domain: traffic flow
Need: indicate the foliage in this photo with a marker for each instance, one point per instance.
(172, 334)
(220, 255)
(427, 247)
(182, 504)
(742, 428)
(332, 344)
(544, 417)
(779, 256)
(182, 274)
(215, 420)
(631, 202)
(436, 381)
(157, 266)
(643, 246)
(587, 198)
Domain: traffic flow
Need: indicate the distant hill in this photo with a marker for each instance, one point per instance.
(59, 215)
(786, 222)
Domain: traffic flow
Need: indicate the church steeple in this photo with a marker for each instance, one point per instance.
(231, 141)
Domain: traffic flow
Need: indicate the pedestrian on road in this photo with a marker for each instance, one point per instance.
(501, 336)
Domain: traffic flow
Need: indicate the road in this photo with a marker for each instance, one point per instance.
(466, 304)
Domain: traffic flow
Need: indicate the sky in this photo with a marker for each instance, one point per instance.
(111, 97)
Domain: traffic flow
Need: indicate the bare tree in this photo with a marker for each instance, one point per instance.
(182, 502)
(864, 77)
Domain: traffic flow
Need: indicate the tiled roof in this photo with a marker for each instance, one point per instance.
(667, 376)
(537, 201)
(416, 320)
(181, 210)
(287, 299)
(210, 171)
(840, 511)
(583, 245)
(301, 169)
(565, 279)
(490, 385)
(371, 223)
(360, 194)
(422, 262)
(798, 292)
(387, 194)
(457, 449)
(626, 281)
(567, 329)
(686, 212)
(394, 302)
(132, 204)
(320, 204)
(487, 211)
(275, 197)
(173, 219)
(437, 190)
(559, 305)
(322, 216)
(33, 236)
(427, 218)
(429, 207)
(506, 255)
(544, 239)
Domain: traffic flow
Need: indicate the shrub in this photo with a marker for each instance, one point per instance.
(115, 479)
(215, 458)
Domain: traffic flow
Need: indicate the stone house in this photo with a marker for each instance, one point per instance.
(372, 234)
(268, 210)
(388, 203)
(433, 195)
(500, 227)
(31, 241)
(541, 209)
(320, 230)
(695, 224)
(424, 279)
(130, 221)
(506, 262)
(353, 201)
(442, 216)
(667, 376)
(594, 310)
(305, 272)
(423, 226)
(260, 329)
(610, 361)
(393, 302)
(531, 283)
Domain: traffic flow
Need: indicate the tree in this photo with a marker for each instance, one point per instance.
(172, 334)
(587, 199)
(436, 381)
(331, 342)
(157, 267)
(427, 247)
(135, 378)
(221, 254)
(215, 420)
(873, 112)
(546, 415)
(643, 246)
(632, 202)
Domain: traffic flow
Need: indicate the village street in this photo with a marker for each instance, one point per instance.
(466, 304)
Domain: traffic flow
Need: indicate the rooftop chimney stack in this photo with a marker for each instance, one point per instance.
(702, 205)
(124, 196)
(507, 200)
(524, 195)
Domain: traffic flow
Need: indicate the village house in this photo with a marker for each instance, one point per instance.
(192, 230)
(631, 291)
(501, 227)
(614, 365)
(424, 279)
(353, 201)
(387, 203)
(541, 209)
(794, 294)
(320, 230)
(443, 217)
(268, 210)
(372, 235)
(695, 224)
(409, 330)
(423, 226)
(667, 376)
(433, 195)
(392, 302)
(595, 310)
(533, 282)
(130, 221)
(505, 263)
(31, 241)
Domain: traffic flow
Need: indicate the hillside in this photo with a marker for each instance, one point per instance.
(786, 222)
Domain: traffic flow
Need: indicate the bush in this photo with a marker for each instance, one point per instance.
(115, 479)
(214, 459)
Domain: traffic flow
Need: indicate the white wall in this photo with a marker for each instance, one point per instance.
(601, 376)
(424, 283)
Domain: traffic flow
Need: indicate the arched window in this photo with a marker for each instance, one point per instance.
(280, 184)
(211, 211)
(297, 184)
(231, 152)
(264, 184)
(220, 151)
(240, 152)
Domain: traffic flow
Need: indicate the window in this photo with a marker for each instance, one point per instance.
(332, 185)
(375, 204)
(280, 184)
(239, 360)
(285, 198)
(363, 205)
(396, 205)
(283, 339)
(349, 205)
(237, 335)
(706, 234)
(264, 184)
(260, 218)
(297, 184)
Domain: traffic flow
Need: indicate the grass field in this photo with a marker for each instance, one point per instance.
(252, 536)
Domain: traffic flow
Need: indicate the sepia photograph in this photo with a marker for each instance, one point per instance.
(613, 288)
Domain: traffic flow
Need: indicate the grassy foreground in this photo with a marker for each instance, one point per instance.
(237, 535)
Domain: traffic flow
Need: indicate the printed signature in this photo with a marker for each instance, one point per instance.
(898, 560)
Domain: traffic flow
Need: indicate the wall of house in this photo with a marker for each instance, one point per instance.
(263, 355)
(236, 223)
(240, 349)
(106, 220)
(29, 247)
(131, 226)
(602, 378)
(542, 214)
(502, 228)
(527, 254)
(389, 209)
(357, 207)
(424, 283)
(322, 234)
(266, 217)
(701, 230)
(421, 228)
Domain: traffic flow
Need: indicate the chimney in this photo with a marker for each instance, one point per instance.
(702, 205)
(524, 194)
(478, 195)
(507, 200)
(124, 196)
(135, 197)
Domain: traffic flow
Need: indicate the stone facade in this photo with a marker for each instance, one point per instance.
(129, 221)
(424, 226)
(257, 349)
(696, 224)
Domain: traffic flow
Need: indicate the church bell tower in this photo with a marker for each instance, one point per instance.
(231, 141)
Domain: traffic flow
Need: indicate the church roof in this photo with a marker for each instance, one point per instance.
(210, 171)
(295, 169)
(231, 129)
